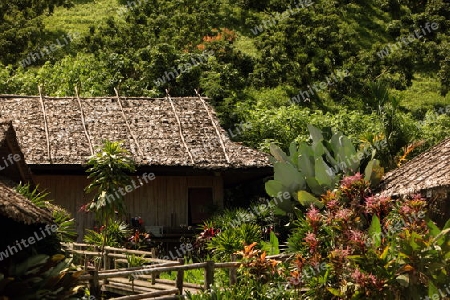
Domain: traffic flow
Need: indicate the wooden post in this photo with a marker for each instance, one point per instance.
(180, 277)
(232, 272)
(209, 274)
(154, 275)
(153, 278)
(105, 260)
(94, 284)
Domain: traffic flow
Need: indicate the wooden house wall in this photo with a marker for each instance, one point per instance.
(161, 202)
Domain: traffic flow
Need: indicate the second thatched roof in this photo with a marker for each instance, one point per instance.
(428, 170)
(18, 208)
(12, 204)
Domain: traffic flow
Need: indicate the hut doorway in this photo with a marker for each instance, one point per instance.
(200, 201)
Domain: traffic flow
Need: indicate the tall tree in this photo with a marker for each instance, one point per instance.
(21, 26)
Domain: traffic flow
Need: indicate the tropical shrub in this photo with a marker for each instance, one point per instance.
(116, 233)
(311, 170)
(362, 246)
(231, 240)
(235, 227)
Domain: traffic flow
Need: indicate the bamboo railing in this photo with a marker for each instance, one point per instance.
(96, 278)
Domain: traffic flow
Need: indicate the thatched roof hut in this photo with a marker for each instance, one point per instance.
(178, 139)
(13, 205)
(18, 208)
(428, 174)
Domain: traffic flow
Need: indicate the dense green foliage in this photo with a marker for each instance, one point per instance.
(274, 65)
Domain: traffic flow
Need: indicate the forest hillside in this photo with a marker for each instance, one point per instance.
(372, 69)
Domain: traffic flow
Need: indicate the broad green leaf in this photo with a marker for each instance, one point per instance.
(286, 206)
(349, 154)
(315, 187)
(335, 292)
(306, 199)
(434, 230)
(335, 142)
(368, 171)
(375, 231)
(278, 153)
(319, 150)
(273, 187)
(306, 165)
(441, 235)
(271, 247)
(447, 225)
(329, 157)
(293, 153)
(412, 241)
(305, 149)
(289, 176)
(373, 172)
(322, 177)
(315, 133)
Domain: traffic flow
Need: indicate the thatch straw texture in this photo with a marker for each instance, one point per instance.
(53, 130)
(428, 170)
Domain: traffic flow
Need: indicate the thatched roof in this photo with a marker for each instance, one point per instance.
(158, 132)
(18, 170)
(12, 204)
(428, 170)
(15, 206)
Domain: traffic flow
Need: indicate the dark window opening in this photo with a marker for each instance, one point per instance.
(200, 201)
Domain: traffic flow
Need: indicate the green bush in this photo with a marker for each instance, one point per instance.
(369, 247)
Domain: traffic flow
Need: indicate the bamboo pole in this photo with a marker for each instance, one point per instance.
(179, 125)
(215, 126)
(94, 284)
(91, 147)
(45, 124)
(128, 124)
(147, 295)
(154, 270)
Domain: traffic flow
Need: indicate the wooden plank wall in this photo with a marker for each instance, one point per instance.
(161, 202)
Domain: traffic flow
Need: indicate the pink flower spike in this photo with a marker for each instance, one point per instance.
(313, 215)
(312, 241)
(347, 181)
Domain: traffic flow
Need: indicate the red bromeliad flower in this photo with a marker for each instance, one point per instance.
(348, 181)
(377, 205)
(357, 237)
(209, 233)
(340, 254)
(332, 205)
(343, 214)
(311, 241)
(367, 280)
(313, 217)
